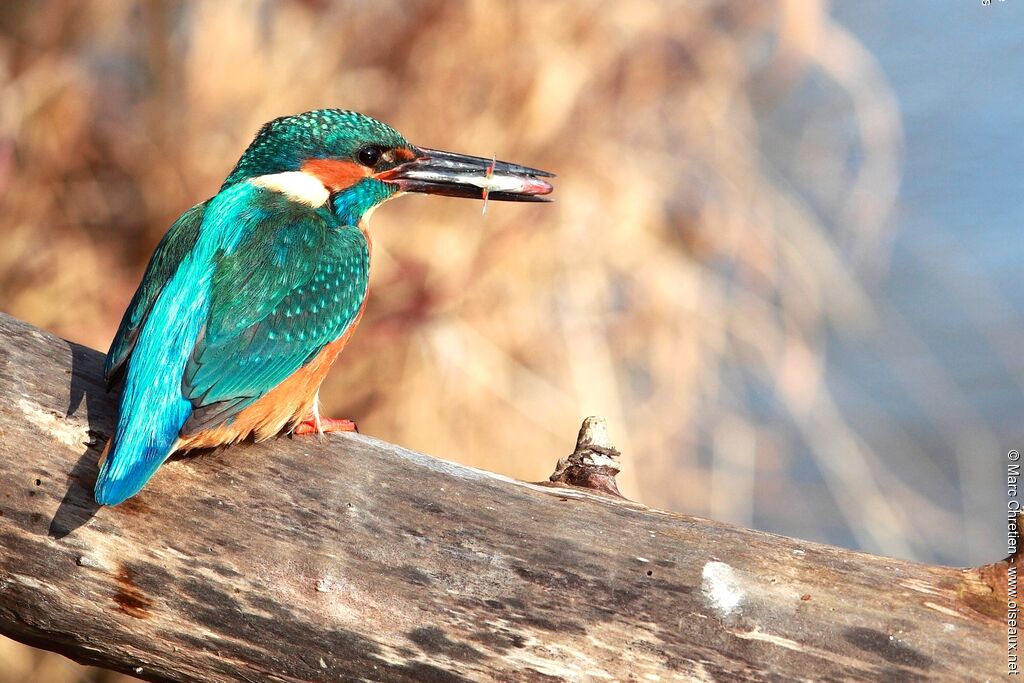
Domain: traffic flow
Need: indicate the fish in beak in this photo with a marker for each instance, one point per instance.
(460, 175)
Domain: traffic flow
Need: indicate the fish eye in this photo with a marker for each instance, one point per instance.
(369, 155)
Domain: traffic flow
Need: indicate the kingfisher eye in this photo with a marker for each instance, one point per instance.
(369, 156)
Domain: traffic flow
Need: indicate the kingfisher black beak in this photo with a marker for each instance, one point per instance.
(460, 175)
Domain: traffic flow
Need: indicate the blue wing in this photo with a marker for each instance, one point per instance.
(173, 248)
(266, 285)
(292, 286)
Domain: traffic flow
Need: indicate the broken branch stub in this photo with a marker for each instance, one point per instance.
(594, 463)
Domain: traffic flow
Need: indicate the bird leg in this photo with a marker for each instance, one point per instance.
(321, 425)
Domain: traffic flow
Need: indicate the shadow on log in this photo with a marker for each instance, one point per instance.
(355, 559)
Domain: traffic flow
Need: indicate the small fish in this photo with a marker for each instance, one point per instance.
(487, 187)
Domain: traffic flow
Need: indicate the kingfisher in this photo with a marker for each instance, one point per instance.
(252, 294)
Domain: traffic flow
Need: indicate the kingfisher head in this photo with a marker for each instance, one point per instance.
(355, 163)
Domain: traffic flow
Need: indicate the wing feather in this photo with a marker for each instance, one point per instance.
(169, 253)
(285, 292)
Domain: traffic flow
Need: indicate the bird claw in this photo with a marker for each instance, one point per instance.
(323, 426)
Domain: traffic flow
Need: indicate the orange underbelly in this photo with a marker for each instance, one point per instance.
(284, 406)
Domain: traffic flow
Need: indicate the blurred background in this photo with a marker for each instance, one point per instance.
(783, 260)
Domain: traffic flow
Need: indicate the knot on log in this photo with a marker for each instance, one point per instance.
(594, 463)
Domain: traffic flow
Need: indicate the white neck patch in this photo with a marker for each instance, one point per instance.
(302, 187)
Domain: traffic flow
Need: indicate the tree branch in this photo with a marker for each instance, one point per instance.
(356, 559)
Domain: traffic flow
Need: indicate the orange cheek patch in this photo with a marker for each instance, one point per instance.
(404, 154)
(334, 174)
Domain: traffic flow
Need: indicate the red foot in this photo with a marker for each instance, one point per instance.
(327, 424)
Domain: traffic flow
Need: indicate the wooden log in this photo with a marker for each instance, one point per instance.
(354, 559)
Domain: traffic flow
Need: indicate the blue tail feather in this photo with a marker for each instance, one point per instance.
(152, 407)
(123, 474)
(143, 440)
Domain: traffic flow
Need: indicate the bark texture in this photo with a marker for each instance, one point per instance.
(354, 559)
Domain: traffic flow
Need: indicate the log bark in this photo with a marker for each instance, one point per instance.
(354, 559)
